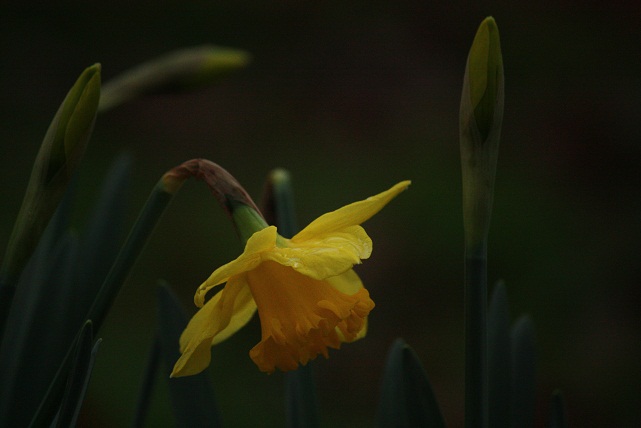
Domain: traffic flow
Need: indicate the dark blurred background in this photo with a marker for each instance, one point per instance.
(352, 97)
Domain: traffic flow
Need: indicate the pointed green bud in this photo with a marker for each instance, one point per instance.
(59, 155)
(181, 70)
(485, 74)
(481, 116)
(75, 117)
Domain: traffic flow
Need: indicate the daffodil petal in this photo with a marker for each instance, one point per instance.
(244, 310)
(258, 243)
(349, 215)
(325, 255)
(223, 314)
(347, 282)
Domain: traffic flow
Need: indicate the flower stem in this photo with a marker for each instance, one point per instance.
(147, 220)
(476, 373)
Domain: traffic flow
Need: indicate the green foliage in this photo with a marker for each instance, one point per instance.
(65, 292)
(35, 342)
(57, 286)
(407, 399)
(84, 357)
(512, 364)
(50, 309)
(523, 373)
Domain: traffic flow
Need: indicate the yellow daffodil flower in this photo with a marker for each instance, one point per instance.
(307, 295)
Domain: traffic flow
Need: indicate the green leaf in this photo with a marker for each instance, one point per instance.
(499, 359)
(558, 418)
(523, 373)
(192, 397)
(52, 234)
(37, 339)
(109, 289)
(53, 302)
(407, 399)
(103, 234)
(78, 381)
(147, 384)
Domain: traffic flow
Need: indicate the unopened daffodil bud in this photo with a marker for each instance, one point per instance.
(485, 74)
(59, 155)
(481, 116)
(181, 70)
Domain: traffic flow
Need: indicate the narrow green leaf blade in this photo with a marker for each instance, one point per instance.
(523, 380)
(192, 397)
(104, 232)
(84, 357)
(52, 234)
(407, 399)
(36, 340)
(147, 384)
(499, 359)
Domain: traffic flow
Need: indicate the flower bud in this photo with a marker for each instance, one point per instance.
(59, 155)
(181, 70)
(481, 116)
(485, 74)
